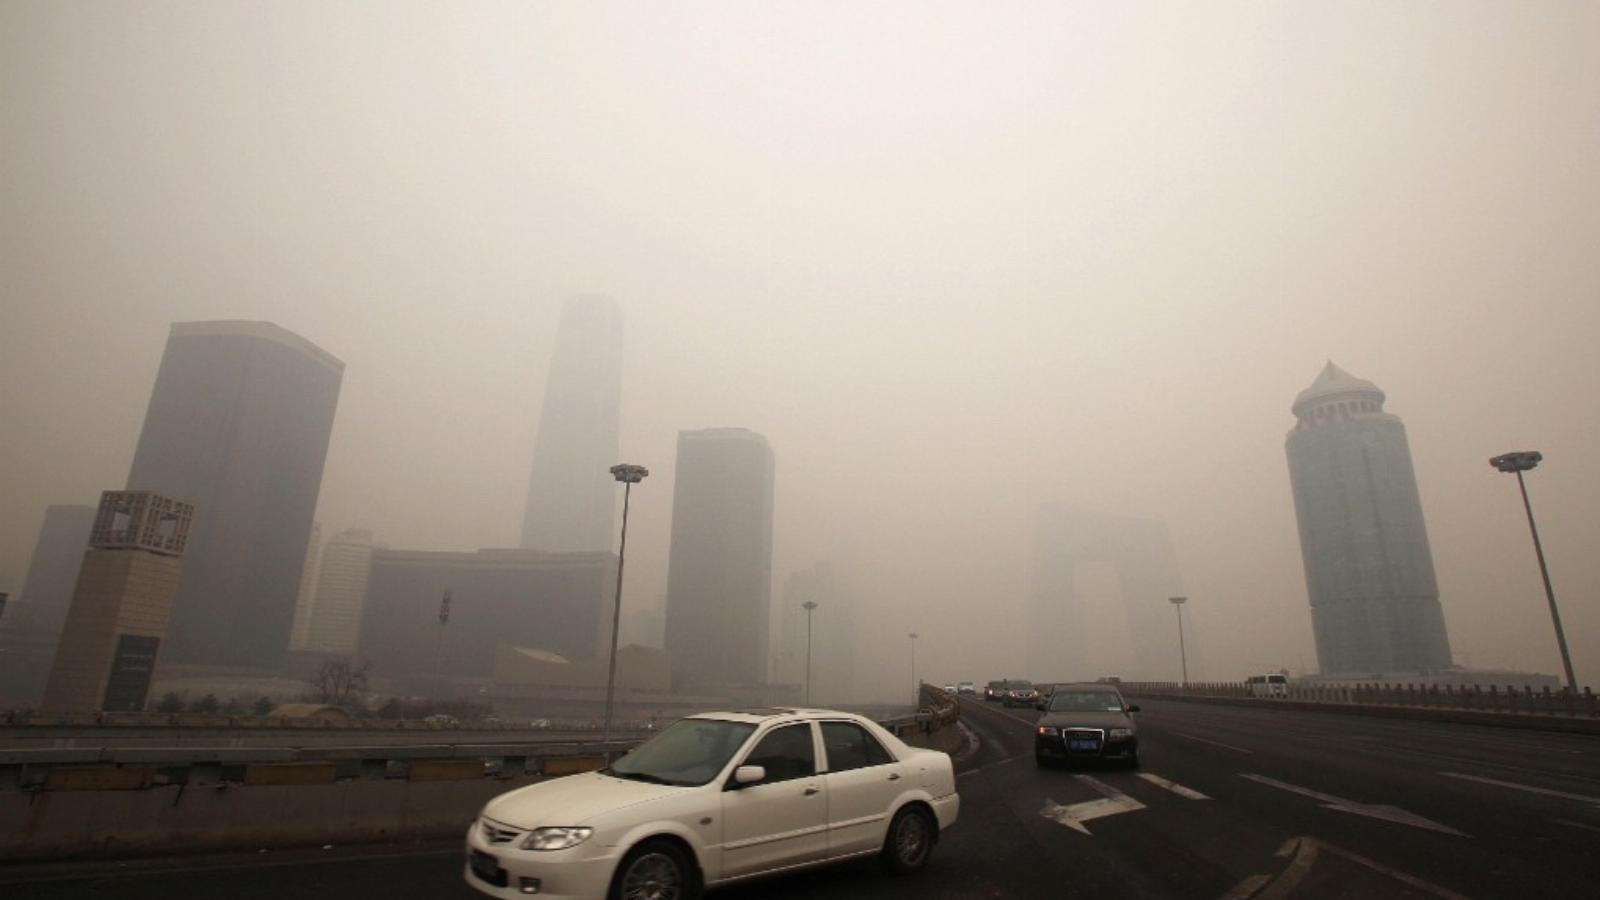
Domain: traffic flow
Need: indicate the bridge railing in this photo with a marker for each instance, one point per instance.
(1510, 699)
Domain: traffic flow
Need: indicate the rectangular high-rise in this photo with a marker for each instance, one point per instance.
(238, 424)
(121, 605)
(719, 574)
(341, 592)
(32, 626)
(571, 494)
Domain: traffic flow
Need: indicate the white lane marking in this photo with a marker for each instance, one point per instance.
(1584, 798)
(1583, 825)
(1247, 888)
(1396, 874)
(1305, 856)
(1174, 787)
(1214, 743)
(1372, 810)
(1112, 802)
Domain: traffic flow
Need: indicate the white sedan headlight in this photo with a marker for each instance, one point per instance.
(555, 838)
(1119, 734)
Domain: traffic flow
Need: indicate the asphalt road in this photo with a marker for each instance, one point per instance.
(1230, 804)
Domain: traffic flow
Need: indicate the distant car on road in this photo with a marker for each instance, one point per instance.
(949, 689)
(966, 687)
(1086, 722)
(1268, 685)
(1021, 693)
(786, 789)
(994, 690)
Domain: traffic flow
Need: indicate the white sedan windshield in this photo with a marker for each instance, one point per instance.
(690, 752)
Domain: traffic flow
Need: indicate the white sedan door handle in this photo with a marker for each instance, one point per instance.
(894, 776)
(813, 790)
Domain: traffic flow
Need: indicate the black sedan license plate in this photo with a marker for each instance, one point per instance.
(487, 867)
(1084, 746)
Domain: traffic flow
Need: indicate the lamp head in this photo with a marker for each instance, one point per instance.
(628, 473)
(1517, 461)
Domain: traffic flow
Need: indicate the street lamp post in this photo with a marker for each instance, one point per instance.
(1183, 655)
(629, 475)
(1519, 462)
(916, 687)
(808, 606)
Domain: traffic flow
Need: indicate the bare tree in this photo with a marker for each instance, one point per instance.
(339, 681)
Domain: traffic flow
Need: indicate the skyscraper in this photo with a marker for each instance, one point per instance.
(719, 571)
(31, 626)
(571, 494)
(238, 425)
(341, 592)
(1369, 570)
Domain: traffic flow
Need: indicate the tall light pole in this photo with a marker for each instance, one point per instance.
(808, 606)
(916, 687)
(1519, 462)
(629, 475)
(1183, 655)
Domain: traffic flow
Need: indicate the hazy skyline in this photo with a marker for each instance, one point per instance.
(953, 262)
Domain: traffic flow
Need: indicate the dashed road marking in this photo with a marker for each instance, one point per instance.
(1214, 743)
(1583, 798)
(1583, 825)
(1174, 787)
(1305, 850)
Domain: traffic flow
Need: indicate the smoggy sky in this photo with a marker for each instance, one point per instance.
(953, 260)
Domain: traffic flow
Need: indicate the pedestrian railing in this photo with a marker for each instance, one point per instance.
(1509, 699)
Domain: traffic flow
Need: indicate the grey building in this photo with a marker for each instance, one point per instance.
(719, 571)
(305, 598)
(238, 425)
(525, 598)
(1369, 571)
(571, 494)
(1065, 640)
(32, 623)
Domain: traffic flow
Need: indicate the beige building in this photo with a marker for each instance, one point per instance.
(121, 605)
(335, 614)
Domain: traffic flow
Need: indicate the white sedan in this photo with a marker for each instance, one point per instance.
(713, 799)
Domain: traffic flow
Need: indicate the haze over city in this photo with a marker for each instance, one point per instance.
(953, 263)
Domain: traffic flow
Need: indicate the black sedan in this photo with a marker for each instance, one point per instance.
(1084, 722)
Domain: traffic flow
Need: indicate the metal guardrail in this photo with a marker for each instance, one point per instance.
(1510, 700)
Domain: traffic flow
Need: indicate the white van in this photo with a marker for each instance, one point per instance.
(1268, 685)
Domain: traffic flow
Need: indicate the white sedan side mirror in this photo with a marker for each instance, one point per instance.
(749, 774)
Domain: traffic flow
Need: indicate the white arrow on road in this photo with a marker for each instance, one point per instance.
(1112, 802)
(1372, 810)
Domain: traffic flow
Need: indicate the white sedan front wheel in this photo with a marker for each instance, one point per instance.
(655, 870)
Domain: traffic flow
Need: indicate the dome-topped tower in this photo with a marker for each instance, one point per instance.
(1335, 395)
(1369, 570)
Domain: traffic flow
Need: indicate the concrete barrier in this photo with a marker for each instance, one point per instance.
(1527, 721)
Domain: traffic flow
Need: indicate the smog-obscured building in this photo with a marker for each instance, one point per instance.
(238, 424)
(31, 625)
(571, 493)
(719, 575)
(121, 604)
(341, 592)
(1369, 570)
(556, 602)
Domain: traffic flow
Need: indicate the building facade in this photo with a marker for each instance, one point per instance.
(306, 597)
(238, 424)
(1369, 570)
(719, 571)
(555, 602)
(341, 592)
(121, 604)
(571, 493)
(32, 623)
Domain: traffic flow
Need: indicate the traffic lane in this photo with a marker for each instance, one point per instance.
(1244, 820)
(1550, 755)
(1518, 845)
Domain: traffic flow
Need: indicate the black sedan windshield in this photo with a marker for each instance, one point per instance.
(1085, 701)
(690, 752)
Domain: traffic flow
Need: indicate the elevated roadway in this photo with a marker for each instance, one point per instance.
(1231, 804)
